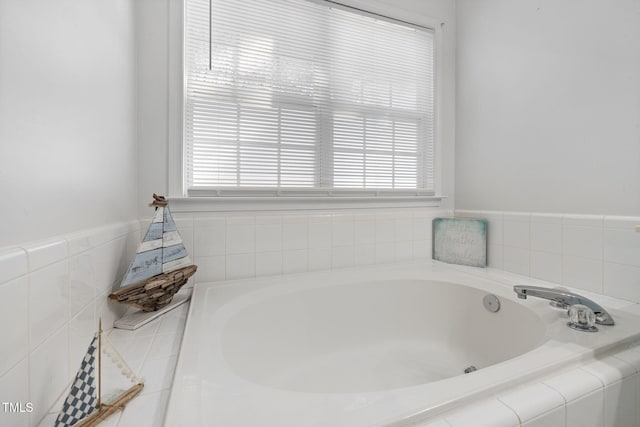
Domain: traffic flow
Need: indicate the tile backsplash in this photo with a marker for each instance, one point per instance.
(51, 295)
(234, 247)
(52, 292)
(591, 252)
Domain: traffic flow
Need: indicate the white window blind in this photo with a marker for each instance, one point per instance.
(306, 97)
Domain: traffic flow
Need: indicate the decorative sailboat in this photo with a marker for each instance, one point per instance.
(84, 406)
(161, 265)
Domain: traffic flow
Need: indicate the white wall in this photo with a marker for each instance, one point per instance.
(67, 116)
(548, 106)
(154, 85)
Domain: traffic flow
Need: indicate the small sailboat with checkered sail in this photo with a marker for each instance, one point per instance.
(85, 406)
(161, 265)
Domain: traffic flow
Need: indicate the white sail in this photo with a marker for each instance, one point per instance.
(161, 250)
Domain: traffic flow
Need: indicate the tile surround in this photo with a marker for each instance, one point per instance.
(233, 247)
(51, 295)
(597, 253)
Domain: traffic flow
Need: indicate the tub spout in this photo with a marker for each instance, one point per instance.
(565, 297)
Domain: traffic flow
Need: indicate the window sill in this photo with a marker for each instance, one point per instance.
(290, 203)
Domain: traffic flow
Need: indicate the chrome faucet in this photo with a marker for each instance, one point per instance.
(566, 298)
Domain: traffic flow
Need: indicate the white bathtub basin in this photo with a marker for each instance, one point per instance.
(369, 336)
(383, 345)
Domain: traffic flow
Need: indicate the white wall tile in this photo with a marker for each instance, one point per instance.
(268, 237)
(319, 235)
(165, 345)
(174, 321)
(487, 413)
(583, 242)
(529, 402)
(621, 222)
(546, 237)
(595, 221)
(133, 347)
(79, 242)
(294, 234)
(14, 310)
(609, 370)
(239, 266)
(546, 218)
(241, 235)
(210, 239)
(48, 301)
(385, 229)
(268, 263)
(82, 290)
(146, 410)
(108, 261)
(516, 231)
(364, 255)
(404, 229)
(586, 411)
(49, 373)
(554, 418)
(158, 374)
(56, 327)
(622, 281)
(622, 247)
(295, 261)
(14, 388)
(342, 232)
(82, 327)
(582, 273)
(495, 232)
(422, 249)
(319, 259)
(182, 220)
(45, 253)
(364, 232)
(342, 256)
(422, 228)
(210, 269)
(385, 253)
(620, 403)
(107, 310)
(404, 250)
(574, 384)
(546, 266)
(516, 260)
(516, 216)
(13, 263)
(495, 256)
(630, 355)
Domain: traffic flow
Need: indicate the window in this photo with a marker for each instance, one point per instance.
(303, 97)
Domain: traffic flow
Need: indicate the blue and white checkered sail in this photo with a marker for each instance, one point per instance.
(161, 250)
(82, 399)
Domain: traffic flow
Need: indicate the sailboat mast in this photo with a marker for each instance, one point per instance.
(100, 363)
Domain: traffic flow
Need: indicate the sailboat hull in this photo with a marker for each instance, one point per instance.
(155, 292)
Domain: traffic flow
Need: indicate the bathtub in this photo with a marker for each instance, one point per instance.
(373, 346)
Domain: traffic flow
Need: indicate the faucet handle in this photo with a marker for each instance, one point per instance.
(582, 318)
